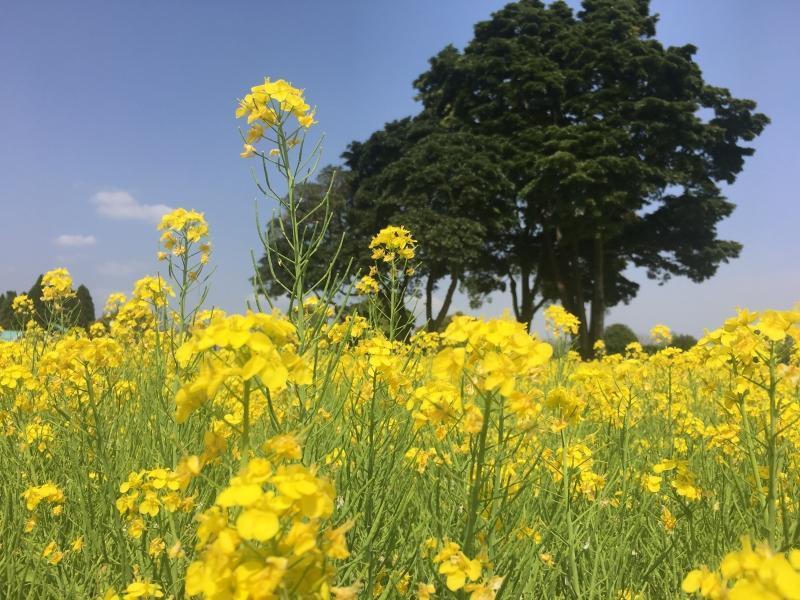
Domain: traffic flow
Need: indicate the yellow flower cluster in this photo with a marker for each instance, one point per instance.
(683, 481)
(182, 228)
(268, 105)
(661, 334)
(48, 492)
(22, 304)
(749, 574)
(153, 290)
(38, 435)
(145, 492)
(420, 458)
(57, 286)
(241, 347)
(460, 570)
(578, 461)
(559, 321)
(267, 536)
(137, 589)
(392, 243)
(367, 285)
(351, 327)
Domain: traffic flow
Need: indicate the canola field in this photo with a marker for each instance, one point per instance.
(175, 451)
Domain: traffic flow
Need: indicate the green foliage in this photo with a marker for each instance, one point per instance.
(84, 309)
(557, 150)
(446, 188)
(7, 319)
(617, 336)
(607, 143)
(684, 341)
(79, 310)
(309, 194)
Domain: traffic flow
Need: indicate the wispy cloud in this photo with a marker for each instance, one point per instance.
(67, 240)
(121, 205)
(116, 268)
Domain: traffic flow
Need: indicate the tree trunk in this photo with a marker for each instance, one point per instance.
(579, 302)
(526, 303)
(429, 299)
(525, 306)
(598, 293)
(448, 299)
(514, 299)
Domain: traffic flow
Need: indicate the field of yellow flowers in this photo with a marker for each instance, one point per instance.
(175, 451)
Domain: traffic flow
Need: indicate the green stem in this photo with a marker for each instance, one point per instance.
(573, 563)
(244, 447)
(369, 501)
(474, 497)
(772, 451)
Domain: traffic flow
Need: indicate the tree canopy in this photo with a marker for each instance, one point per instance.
(79, 309)
(553, 153)
(615, 144)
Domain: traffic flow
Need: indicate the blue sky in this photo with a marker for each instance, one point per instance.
(111, 109)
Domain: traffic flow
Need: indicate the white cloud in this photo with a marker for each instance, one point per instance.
(75, 241)
(121, 205)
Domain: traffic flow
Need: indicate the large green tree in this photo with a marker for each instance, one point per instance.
(444, 185)
(447, 188)
(615, 146)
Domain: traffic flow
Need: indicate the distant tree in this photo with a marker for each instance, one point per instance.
(78, 310)
(615, 146)
(7, 318)
(84, 313)
(684, 341)
(617, 336)
(41, 313)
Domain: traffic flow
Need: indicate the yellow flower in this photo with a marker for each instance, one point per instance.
(49, 549)
(668, 520)
(257, 524)
(248, 152)
(156, 547)
(367, 285)
(48, 492)
(456, 566)
(136, 528)
(22, 305)
(486, 590)
(393, 241)
(284, 447)
(425, 591)
(346, 593)
(652, 483)
(255, 133)
(268, 102)
(306, 120)
(150, 505)
(142, 589)
(661, 334)
(57, 286)
(561, 322)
